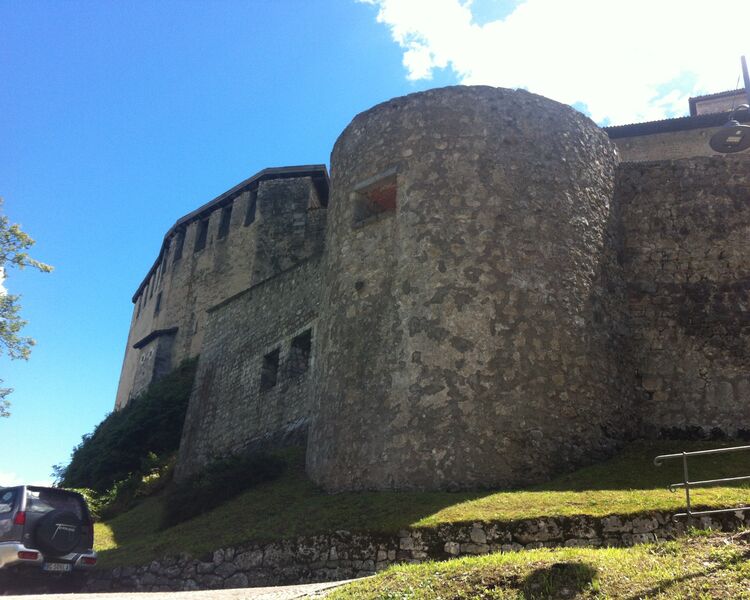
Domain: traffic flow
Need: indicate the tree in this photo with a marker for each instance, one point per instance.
(13, 246)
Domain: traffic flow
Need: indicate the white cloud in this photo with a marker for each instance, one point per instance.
(9, 479)
(627, 61)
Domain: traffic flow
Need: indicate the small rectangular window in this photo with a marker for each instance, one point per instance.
(299, 354)
(201, 235)
(157, 308)
(375, 198)
(269, 370)
(226, 219)
(251, 207)
(178, 244)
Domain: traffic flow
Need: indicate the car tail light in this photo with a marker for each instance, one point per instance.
(28, 555)
(20, 518)
(89, 560)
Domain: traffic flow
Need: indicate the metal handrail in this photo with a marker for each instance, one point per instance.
(687, 484)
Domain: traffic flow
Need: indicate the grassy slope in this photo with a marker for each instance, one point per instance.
(697, 567)
(292, 505)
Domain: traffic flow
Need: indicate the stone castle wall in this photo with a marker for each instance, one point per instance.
(238, 250)
(686, 227)
(489, 300)
(469, 335)
(236, 403)
(666, 146)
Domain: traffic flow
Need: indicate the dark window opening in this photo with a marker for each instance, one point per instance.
(269, 370)
(226, 219)
(157, 308)
(252, 204)
(375, 200)
(178, 244)
(200, 238)
(299, 354)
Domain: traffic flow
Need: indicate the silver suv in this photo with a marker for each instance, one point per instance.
(45, 533)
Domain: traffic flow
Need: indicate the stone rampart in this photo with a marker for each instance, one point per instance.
(253, 384)
(686, 229)
(255, 230)
(470, 322)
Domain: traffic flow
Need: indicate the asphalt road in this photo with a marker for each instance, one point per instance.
(287, 592)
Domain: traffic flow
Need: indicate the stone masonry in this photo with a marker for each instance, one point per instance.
(489, 298)
(344, 554)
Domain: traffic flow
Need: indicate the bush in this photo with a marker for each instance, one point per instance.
(217, 483)
(127, 442)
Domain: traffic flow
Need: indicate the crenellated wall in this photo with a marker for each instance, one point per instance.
(261, 227)
(492, 298)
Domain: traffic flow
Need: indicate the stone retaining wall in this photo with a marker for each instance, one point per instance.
(343, 554)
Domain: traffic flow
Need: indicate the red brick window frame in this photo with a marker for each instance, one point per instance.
(375, 198)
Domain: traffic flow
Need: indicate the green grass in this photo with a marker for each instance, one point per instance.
(698, 568)
(292, 505)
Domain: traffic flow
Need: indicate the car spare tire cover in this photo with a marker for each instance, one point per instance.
(58, 532)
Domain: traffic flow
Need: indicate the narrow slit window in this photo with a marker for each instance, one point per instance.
(252, 205)
(157, 308)
(178, 244)
(202, 234)
(299, 354)
(269, 370)
(226, 219)
(375, 199)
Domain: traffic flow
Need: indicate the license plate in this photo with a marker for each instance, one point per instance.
(57, 567)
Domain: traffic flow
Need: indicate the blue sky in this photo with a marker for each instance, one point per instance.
(117, 118)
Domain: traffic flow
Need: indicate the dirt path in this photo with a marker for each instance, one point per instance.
(287, 592)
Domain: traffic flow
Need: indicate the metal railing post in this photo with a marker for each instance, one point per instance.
(687, 484)
(686, 480)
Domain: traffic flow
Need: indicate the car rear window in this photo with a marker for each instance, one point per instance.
(7, 501)
(44, 501)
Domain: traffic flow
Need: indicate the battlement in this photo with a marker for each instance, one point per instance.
(493, 296)
(262, 226)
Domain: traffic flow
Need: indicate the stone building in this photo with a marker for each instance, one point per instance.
(491, 295)
(682, 137)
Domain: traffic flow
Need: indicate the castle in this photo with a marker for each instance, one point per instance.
(488, 290)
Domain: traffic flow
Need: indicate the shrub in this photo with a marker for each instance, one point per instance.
(127, 442)
(217, 483)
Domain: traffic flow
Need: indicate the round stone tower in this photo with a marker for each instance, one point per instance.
(465, 338)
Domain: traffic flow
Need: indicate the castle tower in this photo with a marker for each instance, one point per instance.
(468, 333)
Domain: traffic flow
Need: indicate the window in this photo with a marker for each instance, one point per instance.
(269, 370)
(178, 244)
(200, 238)
(226, 219)
(375, 198)
(7, 500)
(45, 500)
(251, 207)
(299, 354)
(138, 306)
(157, 308)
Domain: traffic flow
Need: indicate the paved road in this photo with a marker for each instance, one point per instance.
(287, 592)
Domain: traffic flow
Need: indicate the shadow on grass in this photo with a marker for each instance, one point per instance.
(293, 506)
(559, 580)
